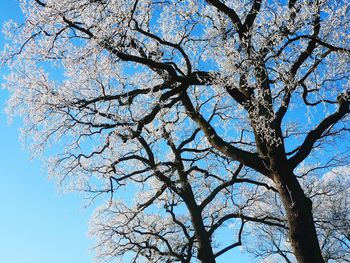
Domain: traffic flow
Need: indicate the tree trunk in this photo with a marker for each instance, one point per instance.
(298, 207)
(205, 250)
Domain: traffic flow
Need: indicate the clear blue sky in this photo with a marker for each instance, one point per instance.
(37, 224)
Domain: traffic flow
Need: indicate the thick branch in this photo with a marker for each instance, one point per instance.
(249, 21)
(230, 13)
(249, 159)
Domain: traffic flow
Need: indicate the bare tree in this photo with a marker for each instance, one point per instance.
(206, 110)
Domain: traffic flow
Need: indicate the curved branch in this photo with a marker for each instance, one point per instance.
(267, 220)
(313, 136)
(230, 13)
(212, 195)
(236, 244)
(249, 159)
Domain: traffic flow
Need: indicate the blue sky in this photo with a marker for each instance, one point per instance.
(37, 224)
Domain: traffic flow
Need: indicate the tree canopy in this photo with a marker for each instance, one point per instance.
(213, 116)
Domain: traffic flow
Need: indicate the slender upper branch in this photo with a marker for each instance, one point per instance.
(236, 244)
(313, 136)
(212, 195)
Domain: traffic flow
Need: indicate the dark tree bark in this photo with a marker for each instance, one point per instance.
(298, 208)
(205, 251)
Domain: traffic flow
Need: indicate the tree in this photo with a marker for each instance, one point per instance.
(210, 110)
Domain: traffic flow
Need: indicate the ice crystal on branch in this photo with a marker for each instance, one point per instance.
(202, 111)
